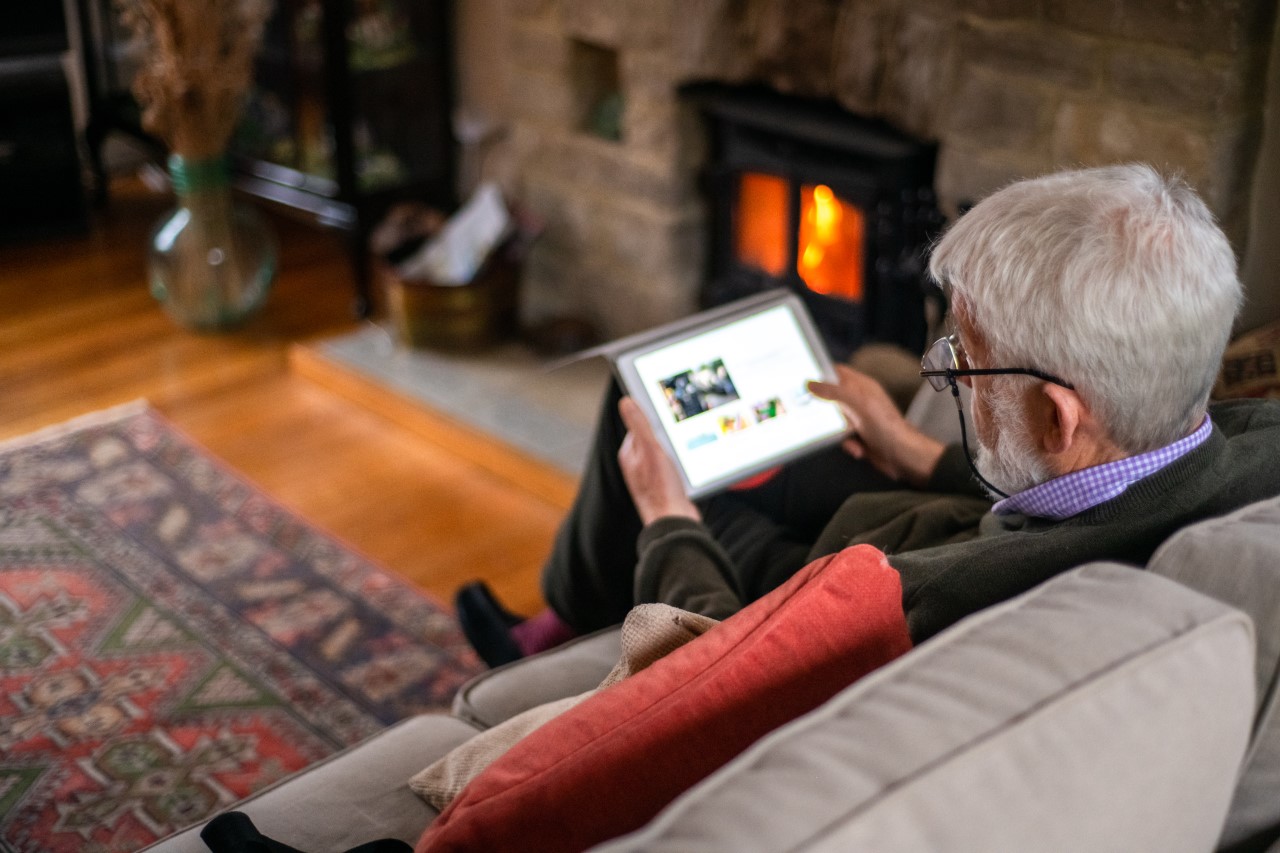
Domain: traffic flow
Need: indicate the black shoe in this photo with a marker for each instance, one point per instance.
(234, 832)
(487, 624)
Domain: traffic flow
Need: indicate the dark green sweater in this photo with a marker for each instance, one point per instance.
(956, 557)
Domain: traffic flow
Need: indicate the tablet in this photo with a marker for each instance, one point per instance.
(726, 390)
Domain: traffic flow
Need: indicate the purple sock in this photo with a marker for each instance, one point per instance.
(541, 632)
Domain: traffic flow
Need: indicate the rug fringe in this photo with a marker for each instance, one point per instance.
(92, 419)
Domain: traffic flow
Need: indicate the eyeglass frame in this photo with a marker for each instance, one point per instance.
(949, 375)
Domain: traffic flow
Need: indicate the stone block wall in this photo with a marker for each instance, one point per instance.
(1008, 88)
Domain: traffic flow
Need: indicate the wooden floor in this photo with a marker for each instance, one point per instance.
(79, 332)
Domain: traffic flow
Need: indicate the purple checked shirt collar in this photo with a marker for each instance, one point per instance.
(1070, 494)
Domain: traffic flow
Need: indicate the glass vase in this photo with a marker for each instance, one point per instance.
(212, 259)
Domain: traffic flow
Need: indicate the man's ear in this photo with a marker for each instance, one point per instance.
(1062, 414)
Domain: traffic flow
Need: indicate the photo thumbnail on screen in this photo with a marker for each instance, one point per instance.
(693, 392)
(749, 416)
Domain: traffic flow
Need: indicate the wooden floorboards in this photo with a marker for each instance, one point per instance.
(79, 332)
(462, 440)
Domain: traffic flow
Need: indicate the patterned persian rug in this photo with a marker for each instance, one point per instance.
(171, 640)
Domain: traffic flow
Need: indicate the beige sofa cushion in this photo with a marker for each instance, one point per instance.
(1105, 710)
(1236, 559)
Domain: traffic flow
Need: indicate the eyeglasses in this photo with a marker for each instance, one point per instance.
(942, 364)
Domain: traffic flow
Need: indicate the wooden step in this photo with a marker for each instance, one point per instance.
(489, 452)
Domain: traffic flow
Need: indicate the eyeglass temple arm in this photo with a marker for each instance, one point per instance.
(964, 441)
(999, 371)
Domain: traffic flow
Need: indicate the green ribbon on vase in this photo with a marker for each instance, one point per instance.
(212, 260)
(188, 176)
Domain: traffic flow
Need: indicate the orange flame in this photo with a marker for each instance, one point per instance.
(829, 254)
(831, 232)
(762, 222)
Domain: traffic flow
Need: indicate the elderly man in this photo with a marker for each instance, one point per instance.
(1090, 310)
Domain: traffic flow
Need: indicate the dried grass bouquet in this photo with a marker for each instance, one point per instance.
(199, 64)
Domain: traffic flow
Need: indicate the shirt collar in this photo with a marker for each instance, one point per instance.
(1071, 494)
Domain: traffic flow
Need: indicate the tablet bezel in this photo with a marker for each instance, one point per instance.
(626, 352)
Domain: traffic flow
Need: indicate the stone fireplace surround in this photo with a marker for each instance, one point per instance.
(1007, 88)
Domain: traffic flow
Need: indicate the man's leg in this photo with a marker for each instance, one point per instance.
(769, 530)
(588, 578)
(589, 575)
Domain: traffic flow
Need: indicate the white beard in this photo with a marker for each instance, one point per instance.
(1011, 464)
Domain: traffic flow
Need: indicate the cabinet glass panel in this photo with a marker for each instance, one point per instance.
(286, 120)
(399, 74)
(394, 92)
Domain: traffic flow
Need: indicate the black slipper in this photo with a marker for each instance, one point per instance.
(487, 624)
(234, 832)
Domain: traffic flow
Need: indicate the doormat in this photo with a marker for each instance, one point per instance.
(172, 640)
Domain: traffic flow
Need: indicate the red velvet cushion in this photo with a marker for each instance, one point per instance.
(613, 762)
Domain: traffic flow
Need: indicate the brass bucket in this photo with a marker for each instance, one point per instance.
(456, 318)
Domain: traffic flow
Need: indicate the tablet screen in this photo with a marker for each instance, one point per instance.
(732, 399)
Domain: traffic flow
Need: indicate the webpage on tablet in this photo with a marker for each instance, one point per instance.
(734, 395)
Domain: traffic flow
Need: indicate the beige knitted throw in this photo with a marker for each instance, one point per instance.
(650, 632)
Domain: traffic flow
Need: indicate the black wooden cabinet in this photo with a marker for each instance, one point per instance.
(350, 112)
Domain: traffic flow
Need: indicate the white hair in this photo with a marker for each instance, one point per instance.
(1116, 280)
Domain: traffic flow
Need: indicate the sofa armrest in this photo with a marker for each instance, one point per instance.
(576, 667)
(359, 795)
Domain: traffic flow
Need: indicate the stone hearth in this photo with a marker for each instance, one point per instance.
(1007, 88)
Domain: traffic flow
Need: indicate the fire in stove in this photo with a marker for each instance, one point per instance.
(829, 253)
(808, 196)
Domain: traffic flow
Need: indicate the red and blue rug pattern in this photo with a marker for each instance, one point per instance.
(172, 640)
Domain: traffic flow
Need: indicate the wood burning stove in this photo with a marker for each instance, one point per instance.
(806, 195)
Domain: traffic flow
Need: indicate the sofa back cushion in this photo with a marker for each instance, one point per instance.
(1236, 559)
(1105, 710)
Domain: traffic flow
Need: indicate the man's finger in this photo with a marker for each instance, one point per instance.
(825, 390)
(634, 419)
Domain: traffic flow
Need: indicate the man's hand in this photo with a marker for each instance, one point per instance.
(881, 435)
(651, 476)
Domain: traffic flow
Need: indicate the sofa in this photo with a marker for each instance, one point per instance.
(1108, 709)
